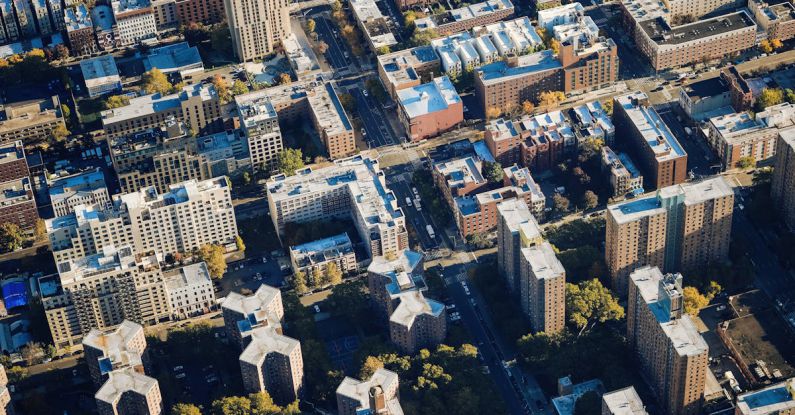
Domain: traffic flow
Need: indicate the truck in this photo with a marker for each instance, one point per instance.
(429, 228)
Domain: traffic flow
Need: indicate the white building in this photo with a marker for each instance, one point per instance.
(378, 395)
(101, 75)
(135, 21)
(549, 18)
(85, 188)
(189, 290)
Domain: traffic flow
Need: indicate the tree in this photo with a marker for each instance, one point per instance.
(232, 405)
(776, 44)
(11, 237)
(383, 50)
(40, 230)
(213, 256)
(116, 101)
(59, 133)
(550, 98)
(185, 409)
(333, 273)
(694, 301)
(765, 46)
(222, 88)
(561, 203)
(608, 107)
(746, 162)
(221, 38)
(239, 88)
(789, 95)
(369, 367)
(262, 403)
(289, 161)
(66, 112)
(16, 374)
(310, 25)
(588, 404)
(246, 178)
(554, 45)
(479, 241)
(423, 37)
(284, 79)
(350, 301)
(493, 113)
(590, 302)
(769, 97)
(61, 52)
(155, 81)
(32, 353)
(321, 47)
(590, 200)
(492, 171)
(348, 103)
(528, 107)
(239, 244)
(50, 351)
(299, 282)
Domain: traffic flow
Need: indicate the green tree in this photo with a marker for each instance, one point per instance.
(423, 37)
(789, 95)
(310, 25)
(492, 171)
(40, 230)
(769, 97)
(383, 50)
(185, 409)
(50, 351)
(479, 240)
(239, 244)
(221, 38)
(289, 161)
(536, 349)
(59, 133)
(239, 88)
(213, 256)
(589, 199)
(232, 405)
(262, 404)
(116, 101)
(17, 374)
(590, 302)
(299, 282)
(350, 301)
(746, 162)
(561, 203)
(11, 237)
(155, 81)
(588, 404)
(333, 273)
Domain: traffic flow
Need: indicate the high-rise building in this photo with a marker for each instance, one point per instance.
(6, 406)
(189, 215)
(30, 120)
(352, 188)
(270, 361)
(84, 188)
(129, 392)
(517, 228)
(783, 187)
(377, 395)
(13, 163)
(681, 227)
(542, 288)
(257, 26)
(396, 290)
(672, 353)
(113, 349)
(259, 123)
(623, 402)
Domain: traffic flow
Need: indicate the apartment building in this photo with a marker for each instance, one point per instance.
(135, 21)
(542, 288)
(521, 178)
(738, 137)
(26, 19)
(100, 75)
(396, 291)
(783, 181)
(467, 17)
(672, 353)
(459, 177)
(259, 123)
(534, 141)
(331, 122)
(625, 178)
(189, 215)
(42, 15)
(9, 29)
(623, 402)
(160, 157)
(18, 204)
(6, 406)
(102, 290)
(716, 96)
(84, 188)
(30, 121)
(201, 11)
(477, 214)
(516, 230)
(778, 398)
(270, 361)
(407, 68)
(13, 163)
(378, 395)
(165, 12)
(350, 188)
(129, 392)
(104, 27)
(776, 19)
(430, 109)
(507, 83)
(314, 257)
(661, 158)
(701, 8)
(113, 349)
(257, 26)
(374, 25)
(683, 227)
(196, 105)
(189, 290)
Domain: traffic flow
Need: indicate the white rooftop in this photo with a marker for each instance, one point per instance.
(515, 213)
(651, 126)
(124, 6)
(464, 13)
(251, 304)
(154, 103)
(99, 71)
(624, 402)
(516, 36)
(549, 18)
(186, 276)
(374, 22)
(77, 18)
(126, 380)
(109, 260)
(115, 344)
(360, 390)
(264, 341)
(543, 261)
(412, 305)
(434, 96)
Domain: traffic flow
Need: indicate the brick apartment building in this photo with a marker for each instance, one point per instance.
(467, 17)
(13, 164)
(201, 11)
(430, 109)
(783, 185)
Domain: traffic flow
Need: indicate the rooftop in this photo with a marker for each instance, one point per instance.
(498, 71)
(594, 118)
(66, 187)
(773, 399)
(651, 126)
(699, 191)
(543, 261)
(178, 57)
(155, 103)
(400, 67)
(374, 22)
(256, 107)
(463, 13)
(102, 17)
(404, 272)
(122, 7)
(15, 191)
(624, 402)
(77, 18)
(360, 390)
(100, 71)
(148, 198)
(516, 36)
(434, 96)
(555, 16)
(564, 405)
(460, 172)
(251, 304)
(321, 250)
(187, 276)
(782, 11)
(520, 177)
(581, 30)
(117, 346)
(300, 54)
(264, 341)
(328, 110)
(412, 305)
(515, 213)
(735, 125)
(123, 381)
(110, 259)
(662, 33)
(11, 151)
(706, 88)
(779, 116)
(642, 10)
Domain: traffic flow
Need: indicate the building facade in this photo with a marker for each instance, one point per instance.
(257, 26)
(31, 121)
(18, 204)
(377, 395)
(313, 258)
(189, 290)
(783, 181)
(13, 163)
(430, 109)
(84, 188)
(135, 21)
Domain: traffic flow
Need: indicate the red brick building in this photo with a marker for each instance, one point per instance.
(202, 11)
(13, 164)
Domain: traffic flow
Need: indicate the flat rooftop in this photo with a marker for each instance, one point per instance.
(464, 13)
(11, 151)
(501, 129)
(155, 103)
(513, 36)
(264, 341)
(360, 390)
(187, 276)
(87, 181)
(246, 305)
(412, 305)
(692, 192)
(124, 381)
(148, 198)
(174, 58)
(624, 402)
(437, 95)
(543, 261)
(328, 110)
(77, 18)
(499, 71)
(735, 125)
(521, 178)
(659, 138)
(460, 172)
(100, 71)
(514, 213)
(16, 191)
(773, 399)
(706, 88)
(321, 250)
(375, 23)
(400, 67)
(115, 344)
(663, 34)
(121, 7)
(554, 16)
(783, 11)
(642, 10)
(256, 107)
(109, 260)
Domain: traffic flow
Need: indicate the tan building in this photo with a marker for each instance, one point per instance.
(623, 402)
(542, 288)
(661, 157)
(672, 353)
(30, 121)
(682, 227)
(777, 18)
(776, 399)
(270, 361)
(430, 109)
(190, 215)
(260, 125)
(189, 290)
(625, 178)
(114, 349)
(100, 291)
(331, 121)
(378, 395)
(516, 229)
(738, 137)
(84, 188)
(6, 406)
(257, 26)
(467, 17)
(407, 68)
(313, 258)
(783, 188)
(195, 105)
(396, 291)
(350, 188)
(508, 83)
(129, 392)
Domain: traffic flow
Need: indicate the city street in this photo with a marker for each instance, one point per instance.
(374, 121)
(335, 53)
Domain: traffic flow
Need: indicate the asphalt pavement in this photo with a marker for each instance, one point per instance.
(335, 54)
(373, 120)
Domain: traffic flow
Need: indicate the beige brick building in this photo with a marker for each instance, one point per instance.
(517, 229)
(84, 188)
(672, 353)
(682, 227)
(783, 187)
(6, 406)
(113, 349)
(543, 288)
(775, 18)
(30, 121)
(396, 291)
(129, 392)
(270, 361)
(257, 26)
(379, 395)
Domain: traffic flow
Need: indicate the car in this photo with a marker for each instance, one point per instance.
(408, 201)
(721, 307)
(258, 276)
(178, 368)
(364, 133)
(180, 376)
(316, 308)
(365, 93)
(264, 260)
(450, 306)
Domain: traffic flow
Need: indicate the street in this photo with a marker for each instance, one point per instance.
(378, 131)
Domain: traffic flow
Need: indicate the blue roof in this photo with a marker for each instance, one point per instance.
(338, 107)
(105, 365)
(639, 205)
(15, 294)
(483, 151)
(630, 166)
(767, 397)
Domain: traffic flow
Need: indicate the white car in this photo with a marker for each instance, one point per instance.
(408, 201)
(364, 92)
(317, 308)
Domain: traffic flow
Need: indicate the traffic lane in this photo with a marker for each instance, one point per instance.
(334, 52)
(371, 123)
(416, 218)
(490, 353)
